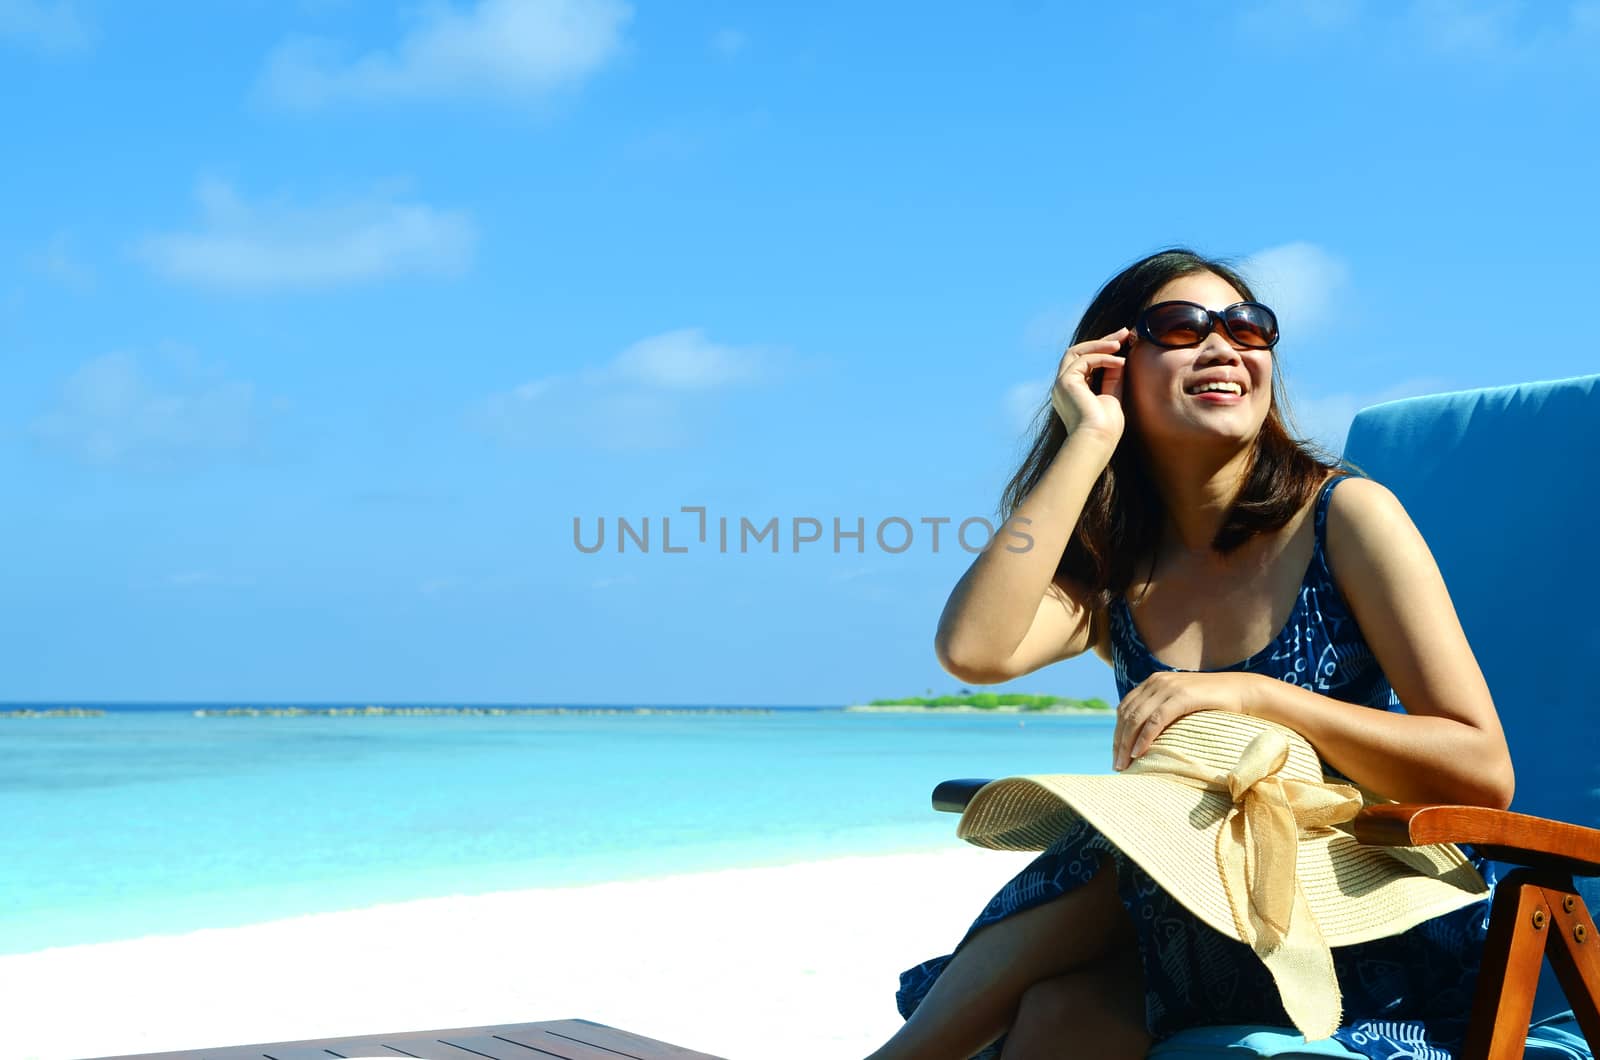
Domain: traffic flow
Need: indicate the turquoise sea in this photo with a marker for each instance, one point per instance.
(151, 820)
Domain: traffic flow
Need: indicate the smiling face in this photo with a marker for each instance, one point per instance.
(1174, 391)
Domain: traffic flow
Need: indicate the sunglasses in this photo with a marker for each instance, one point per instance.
(1177, 324)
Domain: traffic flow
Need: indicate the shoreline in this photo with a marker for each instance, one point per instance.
(912, 708)
(830, 936)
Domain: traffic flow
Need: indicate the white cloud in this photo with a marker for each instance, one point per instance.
(275, 245)
(1300, 281)
(514, 48)
(728, 42)
(52, 27)
(110, 414)
(682, 360)
(635, 401)
(1326, 418)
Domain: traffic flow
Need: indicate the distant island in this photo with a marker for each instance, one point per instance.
(984, 702)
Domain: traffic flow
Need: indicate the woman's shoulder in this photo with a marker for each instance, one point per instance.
(1361, 507)
(1367, 527)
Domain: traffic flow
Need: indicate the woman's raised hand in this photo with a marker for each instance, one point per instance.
(1080, 408)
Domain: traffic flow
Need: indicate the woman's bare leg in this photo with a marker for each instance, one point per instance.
(1093, 1013)
(975, 998)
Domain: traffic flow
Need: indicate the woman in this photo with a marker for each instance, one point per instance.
(1180, 532)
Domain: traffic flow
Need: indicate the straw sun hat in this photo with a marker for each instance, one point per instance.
(1230, 814)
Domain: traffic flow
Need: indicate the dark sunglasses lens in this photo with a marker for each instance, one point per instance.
(1252, 325)
(1177, 324)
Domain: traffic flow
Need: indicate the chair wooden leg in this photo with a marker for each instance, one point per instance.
(1509, 973)
(1535, 914)
(1574, 952)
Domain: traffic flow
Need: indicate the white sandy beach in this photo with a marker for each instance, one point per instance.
(796, 961)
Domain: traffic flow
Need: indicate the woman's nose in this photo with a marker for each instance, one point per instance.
(1219, 346)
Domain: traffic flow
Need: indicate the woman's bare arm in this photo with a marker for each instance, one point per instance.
(1005, 616)
(1449, 747)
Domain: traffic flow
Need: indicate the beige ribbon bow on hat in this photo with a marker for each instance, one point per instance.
(1257, 857)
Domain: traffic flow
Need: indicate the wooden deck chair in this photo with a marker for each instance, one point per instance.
(1504, 484)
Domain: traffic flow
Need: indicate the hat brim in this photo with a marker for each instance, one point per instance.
(1357, 892)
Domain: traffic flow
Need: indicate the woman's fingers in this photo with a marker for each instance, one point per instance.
(1111, 379)
(1148, 709)
(1075, 397)
(1129, 715)
(1144, 736)
(1110, 344)
(1135, 734)
(1083, 358)
(1084, 363)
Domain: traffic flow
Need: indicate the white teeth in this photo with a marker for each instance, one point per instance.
(1226, 388)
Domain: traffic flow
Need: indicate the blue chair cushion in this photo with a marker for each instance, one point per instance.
(1242, 1041)
(1500, 482)
(1557, 1038)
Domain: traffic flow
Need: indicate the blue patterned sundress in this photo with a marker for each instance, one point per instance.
(1404, 996)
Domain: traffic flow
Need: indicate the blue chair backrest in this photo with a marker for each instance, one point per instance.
(1504, 485)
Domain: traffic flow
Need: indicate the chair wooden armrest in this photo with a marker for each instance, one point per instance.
(952, 796)
(1516, 838)
(1537, 910)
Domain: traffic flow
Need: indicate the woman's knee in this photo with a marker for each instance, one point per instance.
(1068, 931)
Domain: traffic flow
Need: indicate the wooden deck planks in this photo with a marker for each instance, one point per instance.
(562, 1039)
(530, 1047)
(564, 1046)
(472, 1046)
(621, 1043)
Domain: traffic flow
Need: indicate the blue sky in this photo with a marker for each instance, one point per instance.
(323, 321)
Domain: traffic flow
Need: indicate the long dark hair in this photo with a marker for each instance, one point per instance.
(1123, 515)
